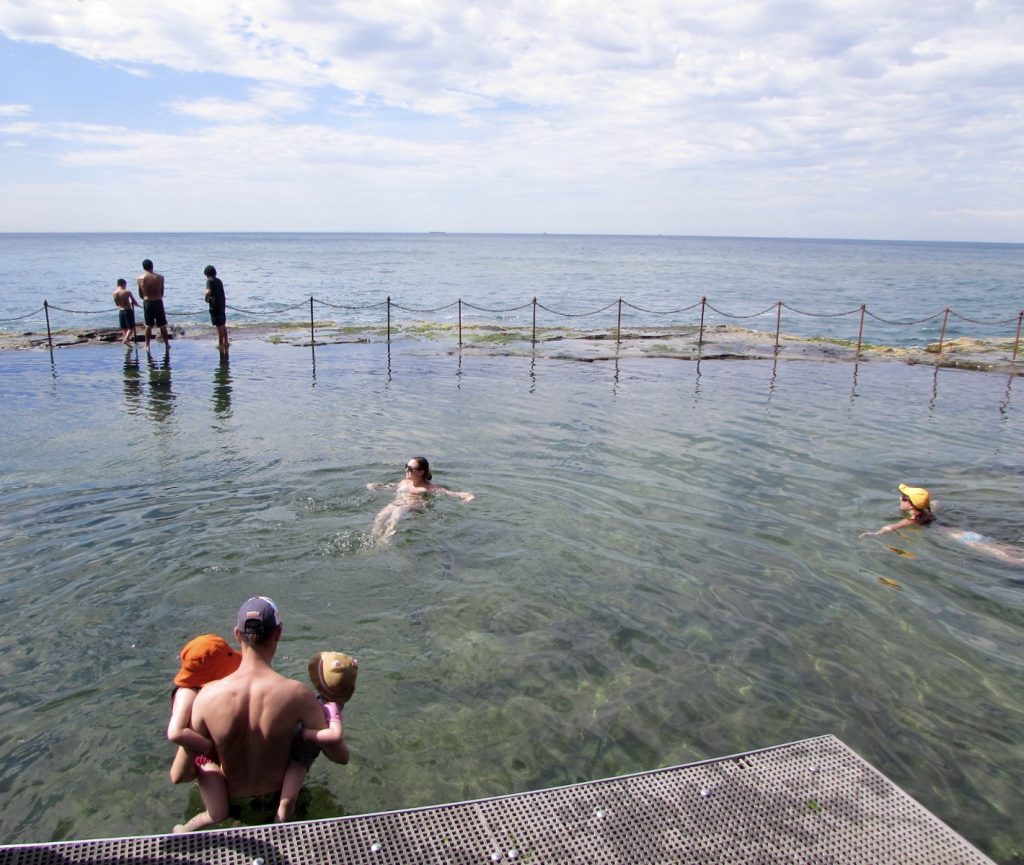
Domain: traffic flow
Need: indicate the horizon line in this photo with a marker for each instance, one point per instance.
(799, 238)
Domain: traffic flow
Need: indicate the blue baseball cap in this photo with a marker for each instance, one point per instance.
(258, 616)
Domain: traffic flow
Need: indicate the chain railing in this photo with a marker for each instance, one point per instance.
(534, 305)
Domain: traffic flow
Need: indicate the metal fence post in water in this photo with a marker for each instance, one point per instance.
(942, 333)
(389, 322)
(49, 336)
(860, 333)
(460, 321)
(700, 336)
(312, 330)
(535, 321)
(1016, 342)
(618, 324)
(778, 324)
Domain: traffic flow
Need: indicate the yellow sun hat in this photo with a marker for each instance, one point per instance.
(333, 674)
(918, 496)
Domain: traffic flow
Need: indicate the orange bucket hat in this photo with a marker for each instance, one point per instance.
(206, 659)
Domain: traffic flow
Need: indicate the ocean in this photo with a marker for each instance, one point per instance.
(662, 563)
(661, 280)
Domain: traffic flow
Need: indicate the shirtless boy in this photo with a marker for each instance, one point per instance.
(125, 301)
(151, 290)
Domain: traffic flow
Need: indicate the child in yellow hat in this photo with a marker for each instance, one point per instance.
(203, 660)
(333, 675)
(916, 502)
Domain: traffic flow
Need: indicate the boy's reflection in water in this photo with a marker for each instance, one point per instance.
(161, 398)
(132, 382)
(222, 388)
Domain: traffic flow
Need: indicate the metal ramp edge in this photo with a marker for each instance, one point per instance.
(812, 802)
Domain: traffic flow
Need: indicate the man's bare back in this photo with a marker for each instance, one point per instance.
(151, 285)
(251, 717)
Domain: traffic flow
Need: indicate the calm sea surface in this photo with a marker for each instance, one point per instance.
(272, 276)
(662, 563)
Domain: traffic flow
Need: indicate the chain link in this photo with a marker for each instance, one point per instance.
(904, 323)
(754, 315)
(780, 305)
(26, 315)
(661, 312)
(577, 314)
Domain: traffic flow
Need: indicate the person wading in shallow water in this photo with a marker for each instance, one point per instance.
(218, 306)
(252, 716)
(125, 301)
(151, 290)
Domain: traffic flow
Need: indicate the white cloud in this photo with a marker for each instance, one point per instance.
(871, 100)
(14, 110)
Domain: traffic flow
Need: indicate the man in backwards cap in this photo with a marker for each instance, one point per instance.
(251, 714)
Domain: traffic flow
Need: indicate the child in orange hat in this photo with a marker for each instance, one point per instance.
(333, 674)
(203, 660)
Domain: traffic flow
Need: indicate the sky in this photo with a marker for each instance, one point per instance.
(781, 118)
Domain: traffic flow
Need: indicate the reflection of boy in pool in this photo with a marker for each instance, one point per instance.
(409, 496)
(333, 674)
(916, 502)
(203, 660)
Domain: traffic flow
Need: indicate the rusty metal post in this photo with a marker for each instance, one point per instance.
(942, 333)
(700, 336)
(49, 336)
(1016, 342)
(860, 333)
(778, 323)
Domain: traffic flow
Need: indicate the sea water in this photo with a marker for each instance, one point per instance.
(576, 280)
(662, 564)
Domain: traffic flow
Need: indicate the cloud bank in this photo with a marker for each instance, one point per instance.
(789, 118)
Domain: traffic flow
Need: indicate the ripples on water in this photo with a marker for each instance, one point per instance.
(661, 565)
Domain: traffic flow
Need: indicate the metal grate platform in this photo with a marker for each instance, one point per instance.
(813, 801)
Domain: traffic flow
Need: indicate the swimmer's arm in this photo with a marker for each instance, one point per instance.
(466, 497)
(374, 486)
(902, 524)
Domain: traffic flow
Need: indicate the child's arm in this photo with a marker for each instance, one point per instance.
(902, 524)
(332, 738)
(178, 730)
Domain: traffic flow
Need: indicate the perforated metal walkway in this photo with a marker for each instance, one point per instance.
(813, 801)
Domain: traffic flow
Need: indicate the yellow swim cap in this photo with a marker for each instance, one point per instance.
(918, 496)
